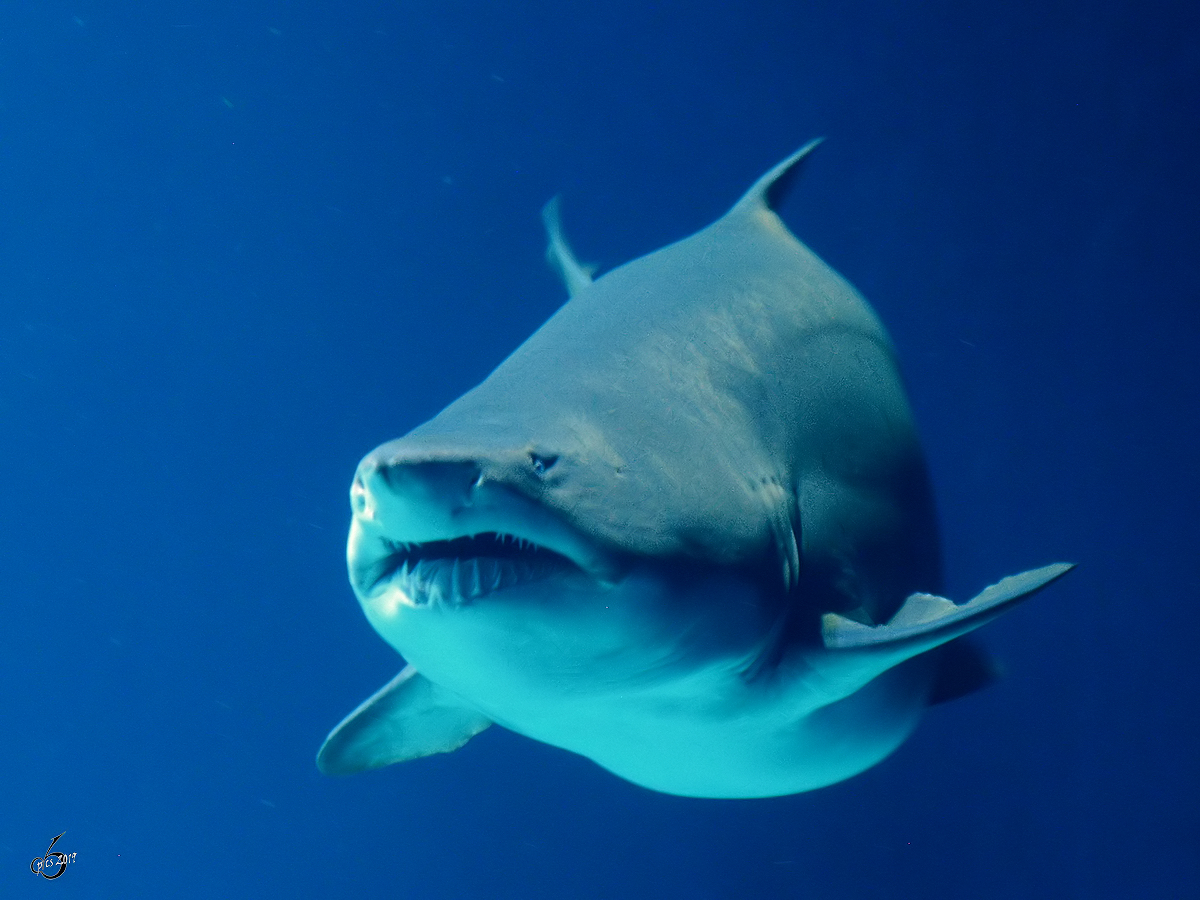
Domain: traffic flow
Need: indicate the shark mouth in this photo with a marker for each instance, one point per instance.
(463, 569)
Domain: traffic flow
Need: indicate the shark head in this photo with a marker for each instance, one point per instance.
(477, 563)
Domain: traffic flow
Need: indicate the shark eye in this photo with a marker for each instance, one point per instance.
(542, 464)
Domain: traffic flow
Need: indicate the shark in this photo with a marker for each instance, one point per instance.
(685, 530)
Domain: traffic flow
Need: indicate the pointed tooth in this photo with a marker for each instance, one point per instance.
(489, 570)
(479, 576)
(476, 587)
(462, 570)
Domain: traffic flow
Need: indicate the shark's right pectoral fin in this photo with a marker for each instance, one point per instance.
(407, 718)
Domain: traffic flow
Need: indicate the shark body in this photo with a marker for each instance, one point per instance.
(684, 530)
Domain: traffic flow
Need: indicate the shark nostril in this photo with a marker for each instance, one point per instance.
(358, 498)
(542, 464)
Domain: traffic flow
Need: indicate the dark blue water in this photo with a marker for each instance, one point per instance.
(243, 243)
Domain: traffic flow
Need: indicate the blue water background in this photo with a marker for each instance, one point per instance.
(243, 243)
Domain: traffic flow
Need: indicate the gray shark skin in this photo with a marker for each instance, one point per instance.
(684, 530)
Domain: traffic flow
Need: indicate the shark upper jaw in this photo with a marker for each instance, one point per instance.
(443, 534)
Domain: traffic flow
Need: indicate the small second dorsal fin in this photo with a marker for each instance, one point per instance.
(574, 274)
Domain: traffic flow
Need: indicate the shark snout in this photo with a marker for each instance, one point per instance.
(414, 501)
(407, 508)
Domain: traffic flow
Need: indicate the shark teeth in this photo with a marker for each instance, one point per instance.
(456, 571)
(457, 581)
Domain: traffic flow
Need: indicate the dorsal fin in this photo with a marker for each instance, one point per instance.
(768, 191)
(574, 274)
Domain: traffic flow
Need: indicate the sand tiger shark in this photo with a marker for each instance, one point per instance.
(684, 530)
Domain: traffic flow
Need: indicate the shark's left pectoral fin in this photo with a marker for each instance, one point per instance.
(407, 718)
(926, 621)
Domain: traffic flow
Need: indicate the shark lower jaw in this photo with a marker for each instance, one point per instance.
(457, 571)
